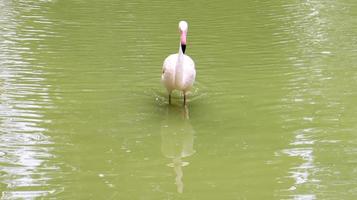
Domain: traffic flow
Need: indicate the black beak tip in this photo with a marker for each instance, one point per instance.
(183, 47)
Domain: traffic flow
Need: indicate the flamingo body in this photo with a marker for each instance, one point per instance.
(169, 73)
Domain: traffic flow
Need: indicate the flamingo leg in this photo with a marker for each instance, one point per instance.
(170, 98)
(184, 99)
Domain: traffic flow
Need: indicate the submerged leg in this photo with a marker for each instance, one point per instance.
(169, 98)
(185, 112)
(184, 99)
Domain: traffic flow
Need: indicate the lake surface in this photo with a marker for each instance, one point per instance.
(272, 115)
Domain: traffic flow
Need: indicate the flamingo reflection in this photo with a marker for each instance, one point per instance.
(177, 140)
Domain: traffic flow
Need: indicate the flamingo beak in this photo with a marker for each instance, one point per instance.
(183, 47)
(183, 41)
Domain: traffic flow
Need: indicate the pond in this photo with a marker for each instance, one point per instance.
(272, 114)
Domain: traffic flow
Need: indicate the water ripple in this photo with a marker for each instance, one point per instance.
(24, 97)
(313, 108)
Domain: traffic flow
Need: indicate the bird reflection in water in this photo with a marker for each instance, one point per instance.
(177, 140)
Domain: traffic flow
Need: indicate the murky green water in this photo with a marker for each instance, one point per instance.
(273, 114)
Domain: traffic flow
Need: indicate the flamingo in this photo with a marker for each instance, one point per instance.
(178, 72)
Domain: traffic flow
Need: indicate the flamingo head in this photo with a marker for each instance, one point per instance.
(183, 27)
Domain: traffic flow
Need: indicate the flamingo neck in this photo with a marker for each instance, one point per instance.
(179, 67)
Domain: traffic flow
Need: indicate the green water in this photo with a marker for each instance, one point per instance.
(273, 114)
